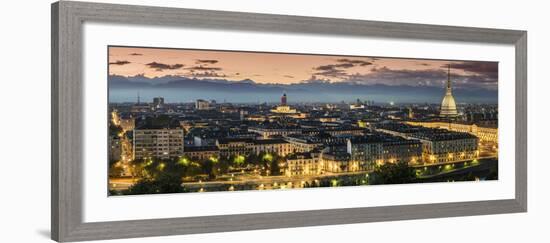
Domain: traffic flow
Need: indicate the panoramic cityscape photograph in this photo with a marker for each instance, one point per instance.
(191, 120)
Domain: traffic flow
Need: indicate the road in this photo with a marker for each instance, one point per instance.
(267, 181)
(480, 170)
(120, 184)
(126, 153)
(271, 180)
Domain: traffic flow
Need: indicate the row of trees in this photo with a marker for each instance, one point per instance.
(265, 163)
(162, 176)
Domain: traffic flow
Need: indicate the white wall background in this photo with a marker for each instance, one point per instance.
(25, 116)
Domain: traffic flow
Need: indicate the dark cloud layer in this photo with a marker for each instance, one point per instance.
(208, 61)
(205, 71)
(161, 66)
(207, 74)
(487, 69)
(120, 63)
(428, 77)
(474, 75)
(332, 73)
(354, 62)
(399, 77)
(333, 66)
(204, 68)
(338, 69)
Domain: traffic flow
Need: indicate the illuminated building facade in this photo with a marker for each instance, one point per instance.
(489, 134)
(438, 145)
(401, 150)
(201, 152)
(235, 146)
(157, 142)
(300, 164)
(377, 149)
(338, 162)
(272, 146)
(300, 143)
(441, 149)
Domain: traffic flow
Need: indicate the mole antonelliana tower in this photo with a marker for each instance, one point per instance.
(448, 105)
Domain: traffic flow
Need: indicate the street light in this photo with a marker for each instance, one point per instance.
(161, 166)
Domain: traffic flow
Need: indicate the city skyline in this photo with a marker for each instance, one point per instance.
(157, 147)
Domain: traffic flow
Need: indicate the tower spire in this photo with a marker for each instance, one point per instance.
(138, 97)
(449, 78)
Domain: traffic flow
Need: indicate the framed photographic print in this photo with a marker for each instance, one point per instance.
(176, 121)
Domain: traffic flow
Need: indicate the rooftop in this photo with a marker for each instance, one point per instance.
(235, 140)
(381, 138)
(305, 138)
(434, 134)
(270, 141)
(443, 136)
(274, 126)
(200, 148)
(160, 122)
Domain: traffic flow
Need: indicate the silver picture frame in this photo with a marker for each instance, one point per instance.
(67, 119)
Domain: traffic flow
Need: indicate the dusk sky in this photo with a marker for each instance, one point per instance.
(296, 68)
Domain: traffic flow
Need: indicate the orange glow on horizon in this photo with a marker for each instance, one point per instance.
(260, 67)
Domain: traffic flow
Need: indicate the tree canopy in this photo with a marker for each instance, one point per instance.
(393, 173)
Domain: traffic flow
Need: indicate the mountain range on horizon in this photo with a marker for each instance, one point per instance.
(184, 89)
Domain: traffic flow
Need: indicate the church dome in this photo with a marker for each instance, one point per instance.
(448, 105)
